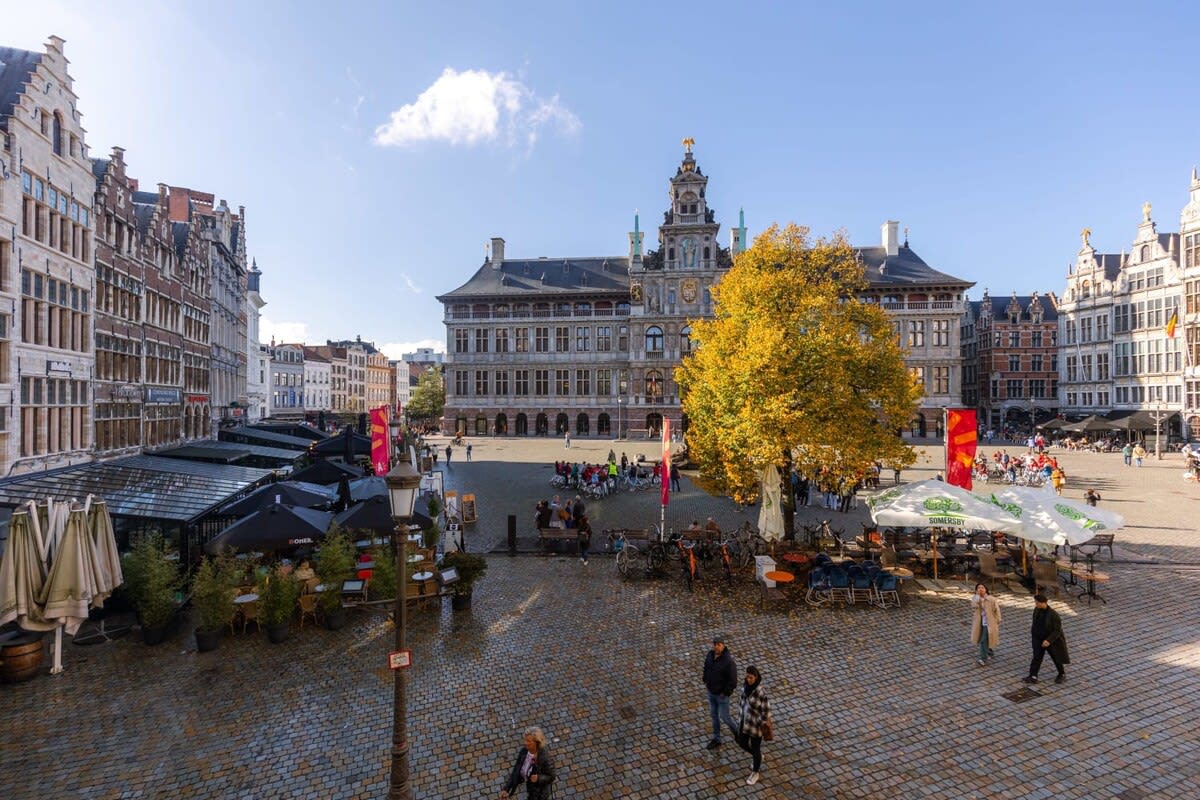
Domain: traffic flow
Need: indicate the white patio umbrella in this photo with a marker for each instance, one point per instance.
(1048, 519)
(71, 584)
(23, 573)
(108, 561)
(770, 513)
(937, 504)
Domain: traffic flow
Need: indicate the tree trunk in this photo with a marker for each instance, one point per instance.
(789, 500)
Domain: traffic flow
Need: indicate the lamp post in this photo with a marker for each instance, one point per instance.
(1158, 417)
(402, 483)
(395, 426)
(620, 405)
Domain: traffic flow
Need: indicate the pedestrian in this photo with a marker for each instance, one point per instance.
(611, 456)
(674, 478)
(577, 511)
(567, 440)
(1092, 497)
(1139, 453)
(720, 679)
(584, 537)
(755, 722)
(1058, 478)
(468, 452)
(985, 622)
(1047, 635)
(624, 462)
(533, 768)
(1127, 453)
(895, 476)
(449, 452)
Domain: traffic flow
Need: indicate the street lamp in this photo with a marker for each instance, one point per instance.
(620, 405)
(395, 426)
(1158, 416)
(403, 482)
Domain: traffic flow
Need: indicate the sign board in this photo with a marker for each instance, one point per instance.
(452, 538)
(451, 503)
(58, 366)
(162, 395)
(468, 508)
(400, 659)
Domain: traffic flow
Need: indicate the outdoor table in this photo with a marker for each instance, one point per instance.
(899, 572)
(422, 576)
(779, 576)
(1092, 577)
(1069, 568)
(245, 598)
(415, 557)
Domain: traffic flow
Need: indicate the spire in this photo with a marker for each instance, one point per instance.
(635, 241)
(737, 242)
(741, 217)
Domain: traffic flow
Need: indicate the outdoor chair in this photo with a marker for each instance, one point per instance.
(887, 590)
(988, 569)
(860, 585)
(249, 613)
(888, 557)
(308, 608)
(818, 587)
(1045, 574)
(839, 586)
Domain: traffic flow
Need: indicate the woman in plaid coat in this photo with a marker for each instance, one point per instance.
(756, 713)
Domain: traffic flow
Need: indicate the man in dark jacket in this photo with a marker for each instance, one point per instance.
(1048, 637)
(720, 679)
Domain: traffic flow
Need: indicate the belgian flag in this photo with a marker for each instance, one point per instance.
(1172, 321)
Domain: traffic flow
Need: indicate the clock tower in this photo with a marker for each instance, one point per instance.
(669, 287)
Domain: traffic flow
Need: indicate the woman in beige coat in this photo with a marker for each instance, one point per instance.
(985, 622)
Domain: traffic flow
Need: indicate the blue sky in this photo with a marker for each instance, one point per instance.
(377, 146)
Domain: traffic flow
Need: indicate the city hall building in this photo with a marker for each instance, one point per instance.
(589, 346)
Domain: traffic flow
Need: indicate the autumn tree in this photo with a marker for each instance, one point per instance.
(795, 369)
(429, 398)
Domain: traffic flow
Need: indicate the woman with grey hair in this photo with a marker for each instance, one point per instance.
(533, 768)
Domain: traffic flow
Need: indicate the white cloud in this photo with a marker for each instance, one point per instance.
(397, 350)
(282, 331)
(474, 106)
(412, 287)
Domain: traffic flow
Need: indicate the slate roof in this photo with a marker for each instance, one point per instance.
(1111, 264)
(547, 276)
(149, 198)
(1000, 307)
(16, 67)
(100, 168)
(904, 269)
(180, 231)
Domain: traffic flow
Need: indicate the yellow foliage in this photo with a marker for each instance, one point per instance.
(794, 361)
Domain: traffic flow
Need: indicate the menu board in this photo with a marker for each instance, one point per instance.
(468, 508)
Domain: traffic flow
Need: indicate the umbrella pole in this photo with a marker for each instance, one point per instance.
(934, 553)
(58, 667)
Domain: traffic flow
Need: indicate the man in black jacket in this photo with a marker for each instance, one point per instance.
(720, 679)
(1048, 637)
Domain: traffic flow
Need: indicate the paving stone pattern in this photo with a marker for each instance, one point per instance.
(867, 703)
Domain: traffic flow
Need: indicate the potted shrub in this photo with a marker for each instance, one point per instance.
(470, 568)
(277, 593)
(212, 595)
(152, 582)
(383, 576)
(434, 531)
(334, 564)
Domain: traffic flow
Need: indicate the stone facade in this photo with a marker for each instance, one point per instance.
(46, 265)
(318, 377)
(287, 381)
(1189, 312)
(379, 384)
(258, 359)
(590, 345)
(1010, 360)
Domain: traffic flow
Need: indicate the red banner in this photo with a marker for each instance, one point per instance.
(379, 440)
(961, 436)
(665, 472)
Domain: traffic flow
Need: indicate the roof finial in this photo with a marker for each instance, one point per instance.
(906, 236)
(1085, 234)
(1146, 211)
(688, 142)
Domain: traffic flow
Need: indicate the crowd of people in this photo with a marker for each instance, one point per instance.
(603, 479)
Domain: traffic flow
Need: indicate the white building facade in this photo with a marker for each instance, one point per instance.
(318, 380)
(258, 359)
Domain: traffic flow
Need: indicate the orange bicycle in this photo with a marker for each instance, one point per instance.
(687, 557)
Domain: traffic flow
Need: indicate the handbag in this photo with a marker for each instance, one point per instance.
(768, 733)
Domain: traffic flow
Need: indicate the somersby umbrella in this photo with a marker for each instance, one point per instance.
(770, 514)
(276, 527)
(1051, 520)
(292, 493)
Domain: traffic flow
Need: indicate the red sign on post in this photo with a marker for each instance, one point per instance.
(400, 659)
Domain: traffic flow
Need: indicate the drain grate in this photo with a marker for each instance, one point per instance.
(627, 713)
(1021, 695)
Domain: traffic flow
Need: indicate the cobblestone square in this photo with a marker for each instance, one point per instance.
(867, 703)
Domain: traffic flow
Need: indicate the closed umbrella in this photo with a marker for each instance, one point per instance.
(108, 560)
(770, 514)
(23, 573)
(276, 527)
(292, 493)
(70, 586)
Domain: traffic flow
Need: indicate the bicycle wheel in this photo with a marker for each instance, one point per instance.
(657, 557)
(625, 558)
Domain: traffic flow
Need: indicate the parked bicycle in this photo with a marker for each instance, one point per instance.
(689, 562)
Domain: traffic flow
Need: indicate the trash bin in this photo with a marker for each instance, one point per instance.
(763, 565)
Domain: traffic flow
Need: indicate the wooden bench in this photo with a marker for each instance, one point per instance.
(1099, 542)
(547, 536)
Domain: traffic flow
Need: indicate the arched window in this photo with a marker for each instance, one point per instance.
(654, 383)
(460, 312)
(562, 309)
(583, 309)
(1086, 289)
(56, 134)
(707, 253)
(622, 309)
(501, 311)
(685, 339)
(520, 310)
(654, 340)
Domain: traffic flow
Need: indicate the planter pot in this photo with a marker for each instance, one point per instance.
(335, 620)
(155, 634)
(207, 640)
(278, 633)
(460, 602)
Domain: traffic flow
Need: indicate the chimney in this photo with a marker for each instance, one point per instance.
(497, 252)
(891, 242)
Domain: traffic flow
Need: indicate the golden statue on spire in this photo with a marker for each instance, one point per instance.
(1146, 211)
(1085, 234)
(688, 142)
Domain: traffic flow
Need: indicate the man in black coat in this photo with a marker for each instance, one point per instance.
(720, 679)
(1048, 637)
